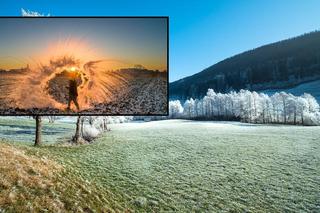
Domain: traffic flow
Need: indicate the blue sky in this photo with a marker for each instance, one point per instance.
(202, 33)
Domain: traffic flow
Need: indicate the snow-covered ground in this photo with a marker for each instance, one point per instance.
(143, 96)
(121, 92)
(312, 87)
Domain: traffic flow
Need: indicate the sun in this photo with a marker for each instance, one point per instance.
(72, 69)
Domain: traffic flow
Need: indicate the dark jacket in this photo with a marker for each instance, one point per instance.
(73, 90)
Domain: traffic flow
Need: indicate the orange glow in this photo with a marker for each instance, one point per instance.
(81, 50)
(76, 47)
(72, 69)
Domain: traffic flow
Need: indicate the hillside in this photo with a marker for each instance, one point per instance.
(312, 87)
(281, 65)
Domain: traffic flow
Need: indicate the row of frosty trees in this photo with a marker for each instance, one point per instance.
(250, 107)
(87, 127)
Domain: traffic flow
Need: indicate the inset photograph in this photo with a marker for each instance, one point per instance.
(109, 66)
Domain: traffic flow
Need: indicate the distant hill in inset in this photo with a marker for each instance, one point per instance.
(14, 71)
(281, 65)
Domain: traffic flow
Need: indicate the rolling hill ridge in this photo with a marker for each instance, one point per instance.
(277, 66)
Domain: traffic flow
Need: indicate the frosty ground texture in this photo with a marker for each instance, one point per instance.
(185, 166)
(127, 91)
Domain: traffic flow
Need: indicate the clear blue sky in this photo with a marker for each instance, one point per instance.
(202, 33)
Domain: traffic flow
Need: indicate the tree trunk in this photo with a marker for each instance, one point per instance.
(37, 141)
(105, 127)
(82, 127)
(76, 138)
(284, 111)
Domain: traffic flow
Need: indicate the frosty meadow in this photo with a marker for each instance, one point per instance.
(161, 166)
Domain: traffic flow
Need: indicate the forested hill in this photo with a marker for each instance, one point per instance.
(279, 65)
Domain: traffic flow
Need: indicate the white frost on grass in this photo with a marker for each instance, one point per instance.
(202, 166)
(90, 132)
(208, 166)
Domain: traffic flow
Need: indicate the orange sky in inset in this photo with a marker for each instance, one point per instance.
(132, 41)
(80, 49)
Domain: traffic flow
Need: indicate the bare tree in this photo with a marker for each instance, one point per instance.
(52, 118)
(77, 136)
(38, 130)
(37, 117)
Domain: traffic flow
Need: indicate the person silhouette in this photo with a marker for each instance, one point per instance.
(73, 92)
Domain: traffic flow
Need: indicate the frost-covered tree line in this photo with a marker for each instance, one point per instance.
(250, 107)
(87, 127)
(91, 127)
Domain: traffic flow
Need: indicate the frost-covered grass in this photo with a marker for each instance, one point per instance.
(200, 166)
(23, 130)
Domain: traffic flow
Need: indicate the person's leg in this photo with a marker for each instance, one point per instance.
(69, 103)
(76, 103)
